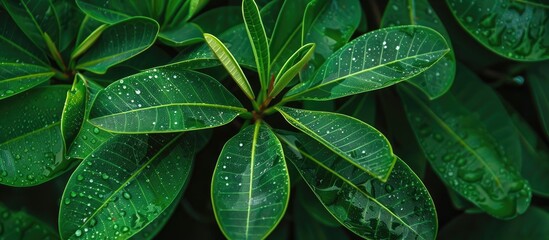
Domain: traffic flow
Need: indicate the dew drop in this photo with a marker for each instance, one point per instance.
(95, 130)
(127, 195)
(78, 233)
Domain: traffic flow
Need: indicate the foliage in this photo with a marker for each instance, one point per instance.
(308, 119)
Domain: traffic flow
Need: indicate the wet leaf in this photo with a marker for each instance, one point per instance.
(186, 34)
(250, 184)
(73, 111)
(19, 77)
(354, 141)
(374, 60)
(21, 225)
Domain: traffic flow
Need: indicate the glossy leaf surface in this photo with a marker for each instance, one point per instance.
(514, 29)
(118, 43)
(539, 83)
(19, 77)
(250, 184)
(164, 100)
(439, 78)
(258, 40)
(73, 111)
(229, 62)
(218, 20)
(21, 225)
(398, 208)
(354, 141)
(292, 67)
(31, 144)
(375, 60)
(466, 156)
(186, 34)
(18, 47)
(114, 195)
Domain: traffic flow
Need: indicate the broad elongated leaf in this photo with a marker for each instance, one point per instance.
(156, 226)
(218, 20)
(308, 201)
(118, 43)
(538, 78)
(21, 225)
(531, 225)
(229, 62)
(258, 40)
(113, 195)
(439, 78)
(375, 60)
(17, 46)
(466, 156)
(354, 141)
(250, 184)
(88, 26)
(110, 11)
(186, 34)
(31, 144)
(513, 29)
(89, 32)
(329, 24)
(74, 111)
(19, 77)
(164, 100)
(398, 208)
(313, 229)
(292, 67)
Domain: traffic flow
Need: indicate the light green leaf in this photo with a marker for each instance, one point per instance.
(399, 208)
(375, 60)
(329, 24)
(195, 6)
(21, 225)
(87, 27)
(31, 144)
(118, 43)
(250, 184)
(513, 29)
(89, 39)
(439, 78)
(73, 111)
(17, 46)
(186, 34)
(292, 67)
(164, 100)
(229, 62)
(19, 77)
(466, 156)
(354, 141)
(538, 77)
(532, 225)
(258, 40)
(112, 195)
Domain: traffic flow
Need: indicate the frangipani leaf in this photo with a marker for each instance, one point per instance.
(164, 100)
(399, 208)
(250, 184)
(21, 225)
(292, 67)
(375, 60)
(354, 141)
(73, 111)
(258, 40)
(19, 77)
(186, 34)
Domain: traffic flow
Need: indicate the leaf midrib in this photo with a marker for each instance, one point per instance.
(100, 60)
(252, 165)
(532, 4)
(31, 133)
(27, 76)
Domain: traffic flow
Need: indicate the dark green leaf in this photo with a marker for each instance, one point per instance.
(308, 227)
(187, 34)
(19, 77)
(218, 20)
(21, 225)
(354, 141)
(375, 60)
(513, 29)
(329, 24)
(362, 107)
(466, 156)
(258, 40)
(164, 100)
(90, 31)
(308, 201)
(399, 208)
(113, 195)
(31, 144)
(110, 11)
(156, 226)
(250, 184)
(538, 77)
(87, 27)
(532, 225)
(118, 43)
(439, 78)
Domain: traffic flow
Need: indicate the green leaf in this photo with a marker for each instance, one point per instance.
(466, 156)
(307, 200)
(286, 38)
(375, 60)
(113, 195)
(329, 24)
(35, 18)
(156, 226)
(250, 184)
(87, 27)
(31, 144)
(538, 77)
(186, 34)
(21, 225)
(89, 39)
(398, 208)
(313, 229)
(17, 46)
(19, 77)
(354, 141)
(512, 29)
(218, 20)
(164, 100)
(532, 225)
(292, 67)
(535, 156)
(258, 40)
(73, 111)
(229, 62)
(109, 11)
(362, 107)
(439, 78)
(118, 43)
